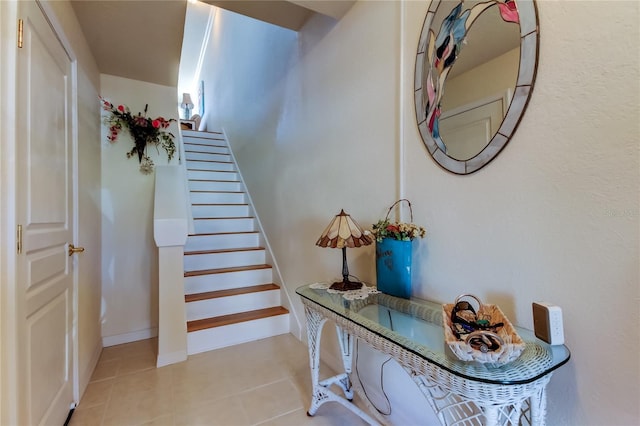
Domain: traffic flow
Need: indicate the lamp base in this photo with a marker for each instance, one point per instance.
(346, 285)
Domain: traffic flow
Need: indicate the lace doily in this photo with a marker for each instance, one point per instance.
(361, 293)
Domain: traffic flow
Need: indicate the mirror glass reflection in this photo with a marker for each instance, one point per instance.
(468, 70)
(480, 85)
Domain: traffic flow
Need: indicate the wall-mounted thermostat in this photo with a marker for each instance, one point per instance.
(547, 323)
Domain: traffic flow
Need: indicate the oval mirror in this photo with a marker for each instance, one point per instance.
(475, 69)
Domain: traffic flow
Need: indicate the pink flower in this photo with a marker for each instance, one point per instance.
(156, 123)
(121, 108)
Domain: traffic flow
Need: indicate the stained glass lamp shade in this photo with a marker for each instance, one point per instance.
(341, 233)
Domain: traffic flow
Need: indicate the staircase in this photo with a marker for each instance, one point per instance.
(229, 291)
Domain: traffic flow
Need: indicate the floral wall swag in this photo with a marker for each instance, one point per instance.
(145, 131)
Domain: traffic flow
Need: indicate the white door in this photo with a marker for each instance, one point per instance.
(469, 129)
(44, 211)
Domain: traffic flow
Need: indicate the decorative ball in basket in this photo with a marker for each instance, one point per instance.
(394, 253)
(483, 334)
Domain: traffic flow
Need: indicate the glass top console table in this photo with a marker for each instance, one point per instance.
(411, 332)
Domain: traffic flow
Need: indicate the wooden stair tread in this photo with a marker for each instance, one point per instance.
(229, 292)
(222, 320)
(225, 270)
(228, 250)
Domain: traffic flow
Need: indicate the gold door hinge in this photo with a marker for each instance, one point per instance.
(20, 33)
(19, 239)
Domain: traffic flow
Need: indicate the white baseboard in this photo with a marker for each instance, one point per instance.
(134, 336)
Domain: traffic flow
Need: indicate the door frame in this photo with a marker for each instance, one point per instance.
(9, 380)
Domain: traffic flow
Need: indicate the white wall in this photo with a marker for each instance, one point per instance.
(129, 254)
(555, 217)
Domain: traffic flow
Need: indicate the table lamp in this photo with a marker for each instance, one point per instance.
(344, 232)
(186, 105)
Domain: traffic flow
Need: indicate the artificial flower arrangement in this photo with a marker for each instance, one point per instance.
(144, 130)
(401, 231)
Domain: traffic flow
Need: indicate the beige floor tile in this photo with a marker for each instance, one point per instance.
(97, 393)
(266, 382)
(109, 353)
(91, 416)
(127, 350)
(250, 375)
(339, 417)
(142, 381)
(193, 389)
(137, 363)
(167, 420)
(106, 370)
(224, 412)
(333, 414)
(139, 407)
(271, 401)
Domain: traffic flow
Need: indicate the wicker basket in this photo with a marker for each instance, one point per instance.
(511, 345)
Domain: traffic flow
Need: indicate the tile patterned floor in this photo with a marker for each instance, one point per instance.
(266, 382)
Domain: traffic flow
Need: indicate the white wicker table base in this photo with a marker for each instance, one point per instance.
(455, 400)
(321, 392)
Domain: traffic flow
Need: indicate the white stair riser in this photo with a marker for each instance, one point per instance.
(234, 334)
(201, 185)
(232, 304)
(199, 147)
(213, 226)
(186, 133)
(218, 198)
(199, 262)
(227, 280)
(210, 165)
(222, 241)
(212, 175)
(206, 157)
(218, 210)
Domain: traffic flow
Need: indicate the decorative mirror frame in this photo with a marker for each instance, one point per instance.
(529, 41)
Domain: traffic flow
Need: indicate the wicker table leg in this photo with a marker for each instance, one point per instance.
(538, 405)
(321, 392)
(346, 349)
(490, 415)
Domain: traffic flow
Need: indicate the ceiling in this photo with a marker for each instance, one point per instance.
(142, 39)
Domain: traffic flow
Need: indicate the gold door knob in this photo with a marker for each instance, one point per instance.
(74, 249)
